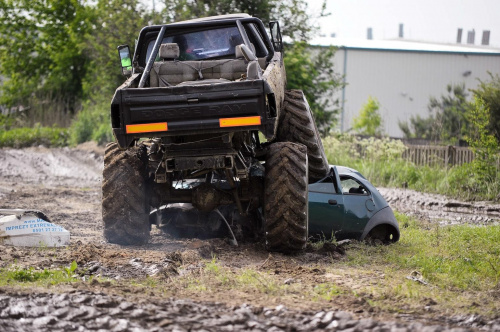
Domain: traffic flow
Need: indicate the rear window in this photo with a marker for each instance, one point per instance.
(204, 44)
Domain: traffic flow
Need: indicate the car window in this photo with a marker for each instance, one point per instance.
(326, 186)
(352, 186)
(204, 44)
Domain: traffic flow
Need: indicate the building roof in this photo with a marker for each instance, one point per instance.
(402, 45)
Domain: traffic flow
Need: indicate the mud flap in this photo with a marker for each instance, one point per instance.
(30, 228)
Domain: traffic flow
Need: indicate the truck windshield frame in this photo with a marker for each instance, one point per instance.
(203, 44)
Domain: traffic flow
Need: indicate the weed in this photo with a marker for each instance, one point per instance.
(71, 269)
(214, 270)
(258, 281)
(32, 275)
(327, 291)
(318, 244)
(28, 275)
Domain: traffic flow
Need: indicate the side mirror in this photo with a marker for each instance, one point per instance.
(274, 26)
(125, 59)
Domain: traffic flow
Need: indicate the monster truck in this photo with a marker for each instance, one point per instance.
(204, 119)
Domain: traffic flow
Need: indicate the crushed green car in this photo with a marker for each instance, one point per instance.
(343, 204)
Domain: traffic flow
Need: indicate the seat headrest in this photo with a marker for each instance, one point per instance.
(239, 54)
(169, 51)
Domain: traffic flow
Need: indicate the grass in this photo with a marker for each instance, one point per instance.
(458, 268)
(327, 291)
(215, 278)
(30, 275)
(453, 258)
(382, 164)
(25, 137)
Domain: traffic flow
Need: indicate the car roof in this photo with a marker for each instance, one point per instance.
(343, 170)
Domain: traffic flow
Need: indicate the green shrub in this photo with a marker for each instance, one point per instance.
(381, 162)
(482, 142)
(38, 135)
(6, 122)
(92, 124)
(368, 121)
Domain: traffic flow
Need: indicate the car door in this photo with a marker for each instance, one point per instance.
(326, 206)
(358, 204)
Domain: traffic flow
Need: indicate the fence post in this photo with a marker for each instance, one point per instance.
(450, 151)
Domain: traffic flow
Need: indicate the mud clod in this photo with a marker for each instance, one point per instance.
(179, 315)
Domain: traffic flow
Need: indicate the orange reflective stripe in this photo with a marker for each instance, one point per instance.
(238, 122)
(147, 128)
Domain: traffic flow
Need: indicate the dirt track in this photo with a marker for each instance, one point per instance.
(65, 183)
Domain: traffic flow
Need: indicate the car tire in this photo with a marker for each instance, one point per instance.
(297, 125)
(286, 197)
(125, 211)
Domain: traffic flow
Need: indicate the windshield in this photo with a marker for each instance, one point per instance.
(204, 44)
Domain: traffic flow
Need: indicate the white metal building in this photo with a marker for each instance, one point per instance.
(403, 75)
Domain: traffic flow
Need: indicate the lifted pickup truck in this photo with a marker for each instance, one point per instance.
(189, 120)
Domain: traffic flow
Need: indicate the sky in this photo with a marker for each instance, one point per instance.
(423, 20)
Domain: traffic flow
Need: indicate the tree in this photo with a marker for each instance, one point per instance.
(41, 51)
(489, 93)
(450, 113)
(58, 55)
(114, 23)
(447, 119)
(313, 72)
(292, 14)
(369, 121)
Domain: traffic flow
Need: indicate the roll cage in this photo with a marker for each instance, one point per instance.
(254, 30)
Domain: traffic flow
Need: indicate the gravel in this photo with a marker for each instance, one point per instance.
(84, 311)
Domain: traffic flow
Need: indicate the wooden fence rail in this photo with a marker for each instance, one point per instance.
(445, 156)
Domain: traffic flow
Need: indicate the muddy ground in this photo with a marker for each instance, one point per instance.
(65, 184)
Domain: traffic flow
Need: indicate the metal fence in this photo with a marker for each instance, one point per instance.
(445, 156)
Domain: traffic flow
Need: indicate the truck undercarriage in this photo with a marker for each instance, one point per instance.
(189, 123)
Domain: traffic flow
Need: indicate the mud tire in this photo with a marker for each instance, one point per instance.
(297, 125)
(125, 211)
(286, 201)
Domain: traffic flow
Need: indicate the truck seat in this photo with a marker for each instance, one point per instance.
(170, 72)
